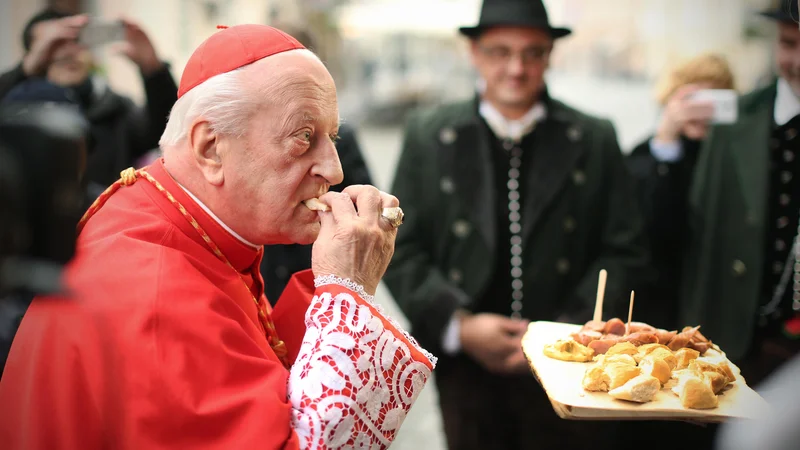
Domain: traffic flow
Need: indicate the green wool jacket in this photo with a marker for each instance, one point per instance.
(727, 215)
(579, 215)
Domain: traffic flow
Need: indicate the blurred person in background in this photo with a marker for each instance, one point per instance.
(36, 92)
(514, 202)
(663, 165)
(282, 261)
(741, 277)
(121, 130)
(777, 429)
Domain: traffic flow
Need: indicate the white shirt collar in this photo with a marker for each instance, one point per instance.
(220, 222)
(511, 129)
(787, 105)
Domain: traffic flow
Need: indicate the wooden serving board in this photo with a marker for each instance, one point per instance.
(561, 381)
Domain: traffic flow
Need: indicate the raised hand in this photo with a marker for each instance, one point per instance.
(679, 111)
(139, 49)
(47, 36)
(354, 241)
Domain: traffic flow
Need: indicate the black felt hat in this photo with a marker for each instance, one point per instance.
(783, 11)
(519, 13)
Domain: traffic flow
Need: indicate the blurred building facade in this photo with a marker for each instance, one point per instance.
(391, 55)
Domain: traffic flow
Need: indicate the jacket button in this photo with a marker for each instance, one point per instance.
(662, 169)
(447, 136)
(456, 276)
(461, 228)
(578, 177)
(574, 134)
(446, 185)
(739, 269)
(569, 224)
(562, 266)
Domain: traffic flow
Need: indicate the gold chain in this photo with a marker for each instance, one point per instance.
(128, 178)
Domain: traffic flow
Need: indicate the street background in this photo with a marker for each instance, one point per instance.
(390, 56)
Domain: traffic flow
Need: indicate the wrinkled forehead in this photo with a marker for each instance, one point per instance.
(298, 87)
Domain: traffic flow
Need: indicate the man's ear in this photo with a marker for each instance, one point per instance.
(204, 143)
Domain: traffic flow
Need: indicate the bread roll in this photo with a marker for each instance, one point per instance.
(641, 389)
(315, 204)
(605, 360)
(623, 348)
(595, 379)
(697, 394)
(715, 381)
(704, 366)
(685, 356)
(619, 374)
(656, 367)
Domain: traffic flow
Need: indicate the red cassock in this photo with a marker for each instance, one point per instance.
(159, 345)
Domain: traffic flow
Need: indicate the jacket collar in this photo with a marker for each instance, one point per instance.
(241, 255)
(787, 105)
(465, 147)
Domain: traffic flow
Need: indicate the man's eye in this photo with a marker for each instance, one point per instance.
(306, 136)
(335, 137)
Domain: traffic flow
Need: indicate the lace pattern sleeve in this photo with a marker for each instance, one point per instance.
(357, 373)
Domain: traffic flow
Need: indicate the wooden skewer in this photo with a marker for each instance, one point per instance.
(601, 292)
(630, 315)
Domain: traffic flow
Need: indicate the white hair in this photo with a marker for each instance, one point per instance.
(222, 100)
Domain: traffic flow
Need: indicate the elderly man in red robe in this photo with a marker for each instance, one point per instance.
(165, 339)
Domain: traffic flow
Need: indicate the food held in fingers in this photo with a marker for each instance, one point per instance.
(316, 204)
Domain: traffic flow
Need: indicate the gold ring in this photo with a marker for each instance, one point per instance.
(393, 215)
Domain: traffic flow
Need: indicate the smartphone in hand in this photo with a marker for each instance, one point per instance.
(99, 33)
(726, 110)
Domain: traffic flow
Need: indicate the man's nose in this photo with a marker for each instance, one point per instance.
(516, 65)
(329, 166)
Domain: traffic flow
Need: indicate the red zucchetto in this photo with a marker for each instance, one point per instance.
(231, 48)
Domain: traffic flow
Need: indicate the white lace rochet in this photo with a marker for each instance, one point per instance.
(355, 378)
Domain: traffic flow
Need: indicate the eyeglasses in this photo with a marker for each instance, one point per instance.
(530, 55)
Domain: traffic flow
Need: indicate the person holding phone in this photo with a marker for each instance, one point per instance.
(740, 276)
(663, 165)
(55, 51)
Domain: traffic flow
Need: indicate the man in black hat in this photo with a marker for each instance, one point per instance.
(742, 270)
(514, 202)
(778, 429)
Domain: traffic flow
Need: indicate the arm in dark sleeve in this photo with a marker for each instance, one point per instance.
(147, 124)
(662, 188)
(10, 79)
(623, 249)
(353, 164)
(419, 287)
